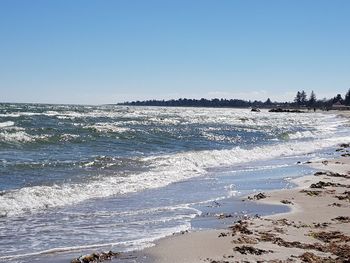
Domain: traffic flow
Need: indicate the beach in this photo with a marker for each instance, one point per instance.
(316, 229)
(317, 225)
(174, 131)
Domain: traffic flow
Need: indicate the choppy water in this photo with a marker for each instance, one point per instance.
(90, 176)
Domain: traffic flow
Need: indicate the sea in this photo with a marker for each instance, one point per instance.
(75, 178)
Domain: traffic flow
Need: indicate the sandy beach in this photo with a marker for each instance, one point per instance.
(317, 228)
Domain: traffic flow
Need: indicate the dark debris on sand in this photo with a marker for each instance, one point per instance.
(251, 250)
(243, 239)
(331, 174)
(335, 204)
(333, 236)
(286, 202)
(342, 219)
(312, 258)
(240, 226)
(345, 196)
(311, 192)
(322, 185)
(257, 196)
(96, 257)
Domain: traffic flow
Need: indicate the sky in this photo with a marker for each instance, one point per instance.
(96, 52)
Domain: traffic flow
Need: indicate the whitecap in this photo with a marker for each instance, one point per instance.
(6, 124)
(167, 169)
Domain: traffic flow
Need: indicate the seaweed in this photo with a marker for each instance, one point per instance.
(333, 236)
(331, 174)
(287, 202)
(322, 185)
(240, 226)
(311, 192)
(245, 239)
(251, 250)
(312, 258)
(96, 257)
(257, 196)
(345, 196)
(342, 219)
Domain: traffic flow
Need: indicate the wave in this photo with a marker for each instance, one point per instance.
(166, 169)
(133, 244)
(302, 135)
(6, 124)
(107, 127)
(19, 136)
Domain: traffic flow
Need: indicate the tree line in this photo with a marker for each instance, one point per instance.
(301, 100)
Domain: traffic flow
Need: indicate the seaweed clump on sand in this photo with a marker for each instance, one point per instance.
(251, 250)
(286, 202)
(242, 227)
(345, 196)
(331, 174)
(312, 258)
(342, 219)
(243, 239)
(322, 185)
(327, 237)
(96, 257)
(311, 192)
(257, 196)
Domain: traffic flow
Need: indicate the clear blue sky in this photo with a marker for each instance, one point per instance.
(84, 51)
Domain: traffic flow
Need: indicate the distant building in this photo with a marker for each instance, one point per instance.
(339, 106)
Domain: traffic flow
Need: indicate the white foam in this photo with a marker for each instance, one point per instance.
(219, 138)
(68, 137)
(107, 127)
(6, 124)
(19, 136)
(125, 246)
(302, 135)
(167, 169)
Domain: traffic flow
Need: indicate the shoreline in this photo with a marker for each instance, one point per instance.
(207, 246)
(218, 245)
(297, 228)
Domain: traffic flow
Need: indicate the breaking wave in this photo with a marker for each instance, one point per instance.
(166, 169)
(6, 124)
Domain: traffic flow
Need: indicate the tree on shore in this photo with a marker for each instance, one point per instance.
(303, 98)
(297, 98)
(268, 102)
(312, 100)
(347, 98)
(338, 98)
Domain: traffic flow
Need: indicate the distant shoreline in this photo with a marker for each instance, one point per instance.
(233, 103)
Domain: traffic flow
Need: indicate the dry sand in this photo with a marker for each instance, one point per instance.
(316, 230)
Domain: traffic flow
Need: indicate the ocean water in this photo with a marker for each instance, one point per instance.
(75, 178)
